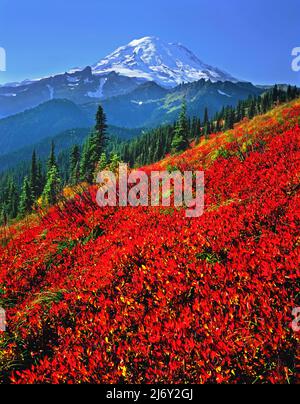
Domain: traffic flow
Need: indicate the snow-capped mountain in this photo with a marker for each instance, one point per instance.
(151, 59)
(145, 60)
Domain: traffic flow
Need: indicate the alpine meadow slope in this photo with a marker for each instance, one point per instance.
(145, 295)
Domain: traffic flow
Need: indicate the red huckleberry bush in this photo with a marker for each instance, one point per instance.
(145, 295)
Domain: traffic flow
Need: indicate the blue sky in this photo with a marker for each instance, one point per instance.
(252, 40)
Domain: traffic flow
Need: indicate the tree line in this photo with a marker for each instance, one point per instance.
(44, 182)
(153, 145)
(43, 185)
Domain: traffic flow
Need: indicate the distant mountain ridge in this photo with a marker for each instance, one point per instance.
(79, 87)
(148, 59)
(46, 120)
(150, 105)
(147, 106)
(63, 141)
(140, 85)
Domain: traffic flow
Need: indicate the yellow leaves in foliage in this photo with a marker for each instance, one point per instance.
(129, 302)
(123, 370)
(69, 192)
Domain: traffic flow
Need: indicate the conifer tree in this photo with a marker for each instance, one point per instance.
(13, 200)
(180, 140)
(75, 165)
(52, 159)
(26, 201)
(229, 119)
(206, 117)
(252, 109)
(3, 216)
(40, 178)
(99, 136)
(102, 162)
(52, 187)
(101, 126)
(206, 123)
(86, 168)
(275, 94)
(93, 148)
(114, 162)
(53, 181)
(34, 180)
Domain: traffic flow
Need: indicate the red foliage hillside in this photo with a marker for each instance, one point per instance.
(145, 295)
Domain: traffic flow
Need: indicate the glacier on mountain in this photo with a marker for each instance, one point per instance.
(146, 59)
(167, 64)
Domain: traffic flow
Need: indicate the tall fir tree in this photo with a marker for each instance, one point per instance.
(53, 181)
(3, 216)
(275, 93)
(94, 147)
(206, 123)
(99, 136)
(26, 201)
(115, 160)
(74, 174)
(52, 187)
(180, 140)
(13, 200)
(251, 109)
(86, 168)
(52, 159)
(102, 164)
(34, 179)
(101, 126)
(41, 178)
